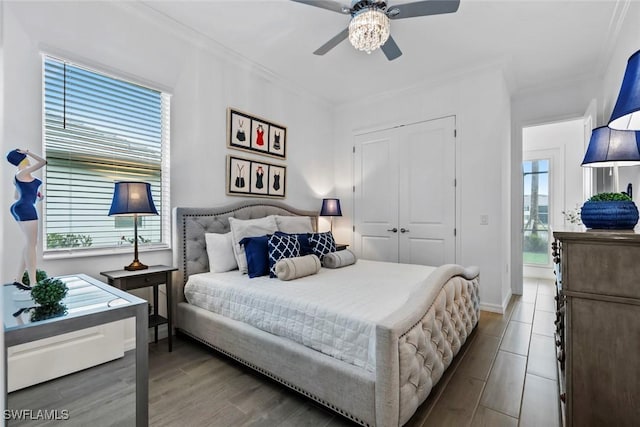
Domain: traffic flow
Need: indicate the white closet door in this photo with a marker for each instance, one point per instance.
(404, 180)
(376, 196)
(427, 208)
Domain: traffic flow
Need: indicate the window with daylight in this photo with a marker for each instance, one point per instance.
(98, 130)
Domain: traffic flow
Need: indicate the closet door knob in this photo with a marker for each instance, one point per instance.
(394, 230)
(404, 230)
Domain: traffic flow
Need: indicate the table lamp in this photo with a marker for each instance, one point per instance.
(626, 112)
(133, 199)
(331, 207)
(612, 148)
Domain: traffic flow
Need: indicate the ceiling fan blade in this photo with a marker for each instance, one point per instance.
(422, 8)
(333, 42)
(391, 49)
(327, 4)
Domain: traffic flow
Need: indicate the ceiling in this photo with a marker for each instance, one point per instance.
(537, 42)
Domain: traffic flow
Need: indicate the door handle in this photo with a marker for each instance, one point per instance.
(404, 230)
(395, 230)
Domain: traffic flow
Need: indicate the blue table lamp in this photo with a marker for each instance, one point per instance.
(626, 113)
(133, 199)
(612, 148)
(331, 207)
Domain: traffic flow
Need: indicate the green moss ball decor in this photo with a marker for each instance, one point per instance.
(45, 312)
(40, 275)
(612, 211)
(49, 291)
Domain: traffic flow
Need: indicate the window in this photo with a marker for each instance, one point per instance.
(99, 130)
(536, 211)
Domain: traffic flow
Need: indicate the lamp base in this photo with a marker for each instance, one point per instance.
(136, 265)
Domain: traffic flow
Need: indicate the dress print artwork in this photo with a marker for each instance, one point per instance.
(277, 141)
(238, 175)
(277, 180)
(259, 133)
(246, 177)
(259, 178)
(240, 129)
(249, 133)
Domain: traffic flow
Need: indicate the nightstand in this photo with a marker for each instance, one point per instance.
(155, 276)
(341, 246)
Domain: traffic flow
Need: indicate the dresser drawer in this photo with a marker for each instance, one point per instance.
(141, 281)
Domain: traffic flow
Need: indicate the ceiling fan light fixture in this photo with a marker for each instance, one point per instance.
(369, 29)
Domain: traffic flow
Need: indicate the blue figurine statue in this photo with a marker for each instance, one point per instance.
(25, 213)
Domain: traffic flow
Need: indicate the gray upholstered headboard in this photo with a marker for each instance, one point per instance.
(191, 224)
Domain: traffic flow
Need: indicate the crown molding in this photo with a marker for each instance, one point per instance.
(611, 37)
(145, 10)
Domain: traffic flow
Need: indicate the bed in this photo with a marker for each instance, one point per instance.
(402, 355)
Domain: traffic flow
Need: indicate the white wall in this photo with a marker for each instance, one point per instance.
(480, 102)
(135, 42)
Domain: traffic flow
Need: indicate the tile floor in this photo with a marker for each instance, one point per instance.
(505, 377)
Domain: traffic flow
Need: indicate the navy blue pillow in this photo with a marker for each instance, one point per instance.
(322, 243)
(281, 246)
(257, 251)
(303, 239)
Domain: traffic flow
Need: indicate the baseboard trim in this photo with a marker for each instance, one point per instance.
(505, 301)
(494, 308)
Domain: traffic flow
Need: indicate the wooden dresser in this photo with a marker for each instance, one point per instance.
(598, 326)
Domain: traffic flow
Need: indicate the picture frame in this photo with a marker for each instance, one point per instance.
(254, 134)
(255, 178)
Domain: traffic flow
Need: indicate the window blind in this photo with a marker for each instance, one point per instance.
(99, 130)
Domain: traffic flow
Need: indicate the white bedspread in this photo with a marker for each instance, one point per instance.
(334, 311)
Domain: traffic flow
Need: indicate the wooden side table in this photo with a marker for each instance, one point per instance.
(155, 276)
(341, 246)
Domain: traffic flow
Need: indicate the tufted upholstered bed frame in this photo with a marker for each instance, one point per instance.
(413, 346)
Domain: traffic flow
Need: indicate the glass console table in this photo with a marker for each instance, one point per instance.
(88, 303)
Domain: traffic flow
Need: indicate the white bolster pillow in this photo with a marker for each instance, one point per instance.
(293, 268)
(339, 259)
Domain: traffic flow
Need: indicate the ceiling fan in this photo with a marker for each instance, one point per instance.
(369, 25)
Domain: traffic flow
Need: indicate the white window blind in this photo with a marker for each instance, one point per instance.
(99, 130)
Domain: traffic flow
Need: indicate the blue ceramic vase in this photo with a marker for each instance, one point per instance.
(612, 215)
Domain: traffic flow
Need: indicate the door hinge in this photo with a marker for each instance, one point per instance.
(354, 188)
(455, 133)
(354, 228)
(455, 182)
(455, 232)
(354, 149)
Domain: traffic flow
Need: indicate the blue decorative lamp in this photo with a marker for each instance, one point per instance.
(612, 148)
(331, 207)
(626, 113)
(133, 199)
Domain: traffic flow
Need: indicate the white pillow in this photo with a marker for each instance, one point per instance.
(241, 228)
(294, 224)
(220, 252)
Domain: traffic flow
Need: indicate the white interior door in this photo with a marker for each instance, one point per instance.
(427, 208)
(376, 196)
(404, 193)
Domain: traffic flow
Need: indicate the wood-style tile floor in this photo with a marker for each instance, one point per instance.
(505, 377)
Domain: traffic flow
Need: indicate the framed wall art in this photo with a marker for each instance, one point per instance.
(247, 177)
(254, 134)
